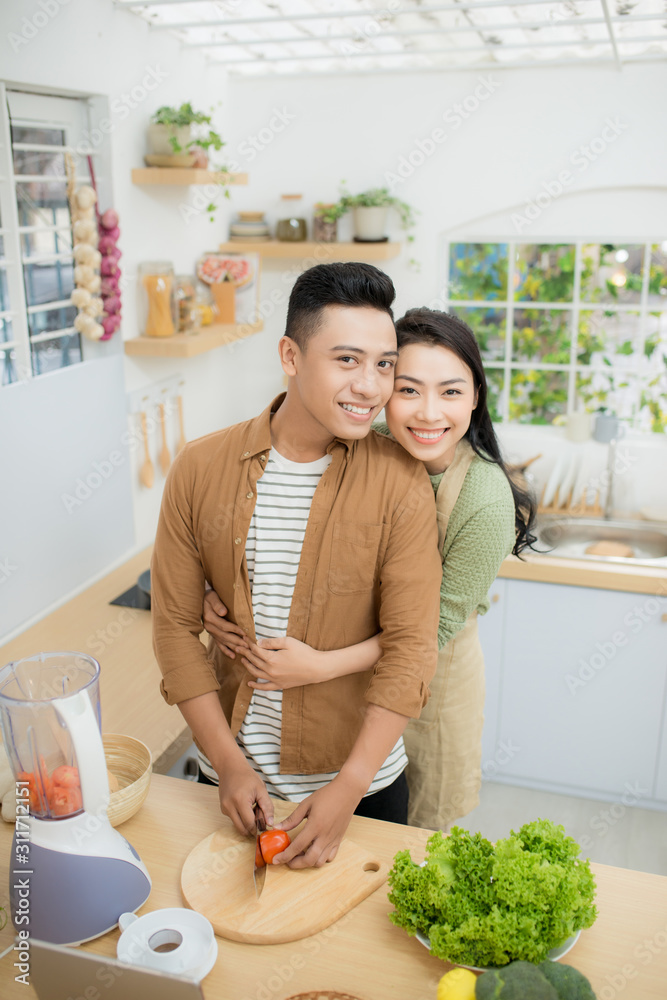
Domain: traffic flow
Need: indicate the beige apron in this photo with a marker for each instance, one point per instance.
(444, 746)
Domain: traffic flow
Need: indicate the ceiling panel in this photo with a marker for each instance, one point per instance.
(305, 37)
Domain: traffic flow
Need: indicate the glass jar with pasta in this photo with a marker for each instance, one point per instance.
(158, 315)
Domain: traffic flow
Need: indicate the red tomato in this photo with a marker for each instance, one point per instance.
(66, 776)
(259, 860)
(65, 801)
(272, 842)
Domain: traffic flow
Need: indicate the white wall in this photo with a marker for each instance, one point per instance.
(357, 128)
(527, 128)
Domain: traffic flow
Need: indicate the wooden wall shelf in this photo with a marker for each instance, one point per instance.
(322, 252)
(183, 345)
(184, 176)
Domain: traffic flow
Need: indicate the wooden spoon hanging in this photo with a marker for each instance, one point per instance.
(181, 441)
(164, 456)
(147, 470)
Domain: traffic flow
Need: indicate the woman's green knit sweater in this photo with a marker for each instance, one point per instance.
(480, 534)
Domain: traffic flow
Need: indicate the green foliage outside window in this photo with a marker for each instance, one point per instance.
(613, 368)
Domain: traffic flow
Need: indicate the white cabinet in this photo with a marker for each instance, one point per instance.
(491, 634)
(582, 689)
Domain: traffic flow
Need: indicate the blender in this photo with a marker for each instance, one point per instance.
(71, 873)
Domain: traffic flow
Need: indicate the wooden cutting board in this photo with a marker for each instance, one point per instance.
(217, 881)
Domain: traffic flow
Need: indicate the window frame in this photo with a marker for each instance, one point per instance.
(576, 307)
(72, 115)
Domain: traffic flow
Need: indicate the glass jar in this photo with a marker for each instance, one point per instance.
(324, 231)
(185, 294)
(159, 317)
(291, 228)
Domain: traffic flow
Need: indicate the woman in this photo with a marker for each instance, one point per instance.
(438, 412)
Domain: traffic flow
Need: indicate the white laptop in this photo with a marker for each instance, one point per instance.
(57, 972)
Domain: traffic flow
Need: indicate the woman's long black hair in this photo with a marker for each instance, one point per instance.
(440, 329)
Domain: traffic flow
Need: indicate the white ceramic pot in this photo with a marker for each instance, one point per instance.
(159, 135)
(370, 223)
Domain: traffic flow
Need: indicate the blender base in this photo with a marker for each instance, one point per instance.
(66, 898)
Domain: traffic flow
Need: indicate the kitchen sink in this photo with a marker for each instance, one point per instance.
(568, 538)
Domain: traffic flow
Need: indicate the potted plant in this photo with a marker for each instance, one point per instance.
(325, 221)
(170, 133)
(370, 213)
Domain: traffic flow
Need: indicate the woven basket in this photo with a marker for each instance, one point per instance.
(323, 995)
(130, 760)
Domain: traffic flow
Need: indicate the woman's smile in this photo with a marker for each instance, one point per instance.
(430, 408)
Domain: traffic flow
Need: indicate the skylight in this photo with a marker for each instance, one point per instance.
(302, 37)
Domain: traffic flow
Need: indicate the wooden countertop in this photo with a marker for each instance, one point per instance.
(586, 573)
(363, 953)
(120, 639)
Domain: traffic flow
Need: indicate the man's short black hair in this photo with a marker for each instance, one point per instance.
(345, 284)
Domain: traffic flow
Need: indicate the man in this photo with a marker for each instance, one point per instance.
(305, 525)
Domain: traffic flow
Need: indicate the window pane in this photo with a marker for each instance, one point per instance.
(6, 330)
(38, 202)
(544, 272)
(536, 397)
(49, 355)
(40, 136)
(4, 292)
(48, 282)
(612, 272)
(542, 335)
(8, 372)
(29, 161)
(657, 286)
(51, 319)
(617, 391)
(488, 325)
(46, 241)
(606, 337)
(478, 271)
(495, 380)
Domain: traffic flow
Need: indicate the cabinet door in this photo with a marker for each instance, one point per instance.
(491, 636)
(660, 791)
(583, 687)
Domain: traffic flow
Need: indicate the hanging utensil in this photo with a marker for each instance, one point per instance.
(258, 871)
(182, 440)
(147, 470)
(164, 456)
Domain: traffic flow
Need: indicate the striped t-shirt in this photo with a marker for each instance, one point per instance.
(273, 550)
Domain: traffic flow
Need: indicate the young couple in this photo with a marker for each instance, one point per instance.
(324, 544)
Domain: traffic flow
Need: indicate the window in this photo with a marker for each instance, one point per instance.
(566, 326)
(36, 264)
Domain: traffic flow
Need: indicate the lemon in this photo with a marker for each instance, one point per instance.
(459, 984)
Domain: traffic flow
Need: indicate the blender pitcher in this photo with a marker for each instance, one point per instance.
(80, 873)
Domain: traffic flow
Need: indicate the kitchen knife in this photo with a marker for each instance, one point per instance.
(258, 874)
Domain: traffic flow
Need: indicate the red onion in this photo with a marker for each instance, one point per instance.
(116, 253)
(112, 233)
(112, 305)
(109, 219)
(110, 324)
(106, 244)
(108, 266)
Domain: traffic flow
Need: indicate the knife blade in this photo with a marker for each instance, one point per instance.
(258, 874)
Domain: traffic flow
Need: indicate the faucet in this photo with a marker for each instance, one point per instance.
(611, 467)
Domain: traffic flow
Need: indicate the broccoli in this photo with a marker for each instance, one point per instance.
(517, 981)
(569, 983)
